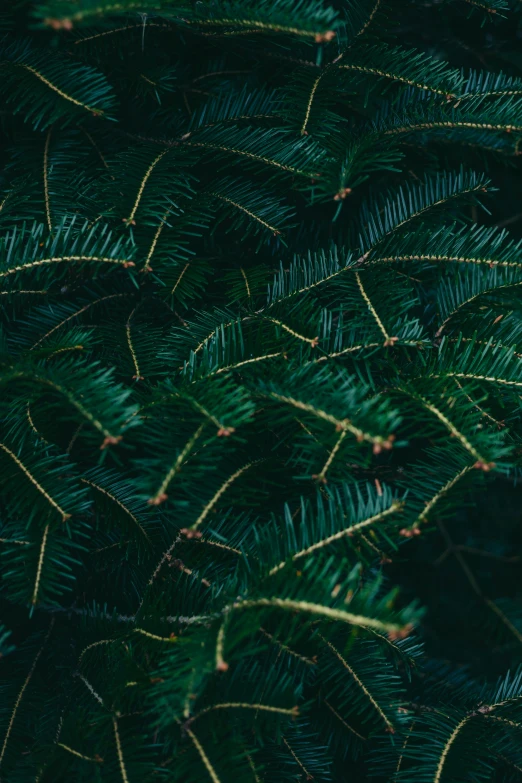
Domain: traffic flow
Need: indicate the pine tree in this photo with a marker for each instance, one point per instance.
(261, 386)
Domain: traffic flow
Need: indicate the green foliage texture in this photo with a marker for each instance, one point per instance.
(261, 383)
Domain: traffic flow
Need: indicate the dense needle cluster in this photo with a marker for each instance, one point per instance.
(261, 378)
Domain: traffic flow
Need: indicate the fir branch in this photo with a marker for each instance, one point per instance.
(222, 489)
(221, 664)
(447, 747)
(168, 639)
(204, 758)
(319, 611)
(360, 684)
(339, 424)
(141, 188)
(480, 461)
(288, 650)
(430, 504)
(147, 266)
(341, 720)
(75, 315)
(91, 689)
(321, 476)
(161, 494)
(137, 376)
(63, 514)
(125, 263)
(349, 531)
(40, 566)
(114, 499)
(293, 711)
(46, 181)
(58, 91)
(387, 339)
(79, 755)
(298, 760)
(22, 691)
(119, 751)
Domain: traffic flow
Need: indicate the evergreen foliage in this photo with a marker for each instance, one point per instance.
(261, 375)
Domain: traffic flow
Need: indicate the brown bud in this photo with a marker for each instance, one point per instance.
(400, 633)
(485, 466)
(110, 440)
(59, 24)
(186, 531)
(225, 431)
(341, 195)
(158, 499)
(329, 35)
